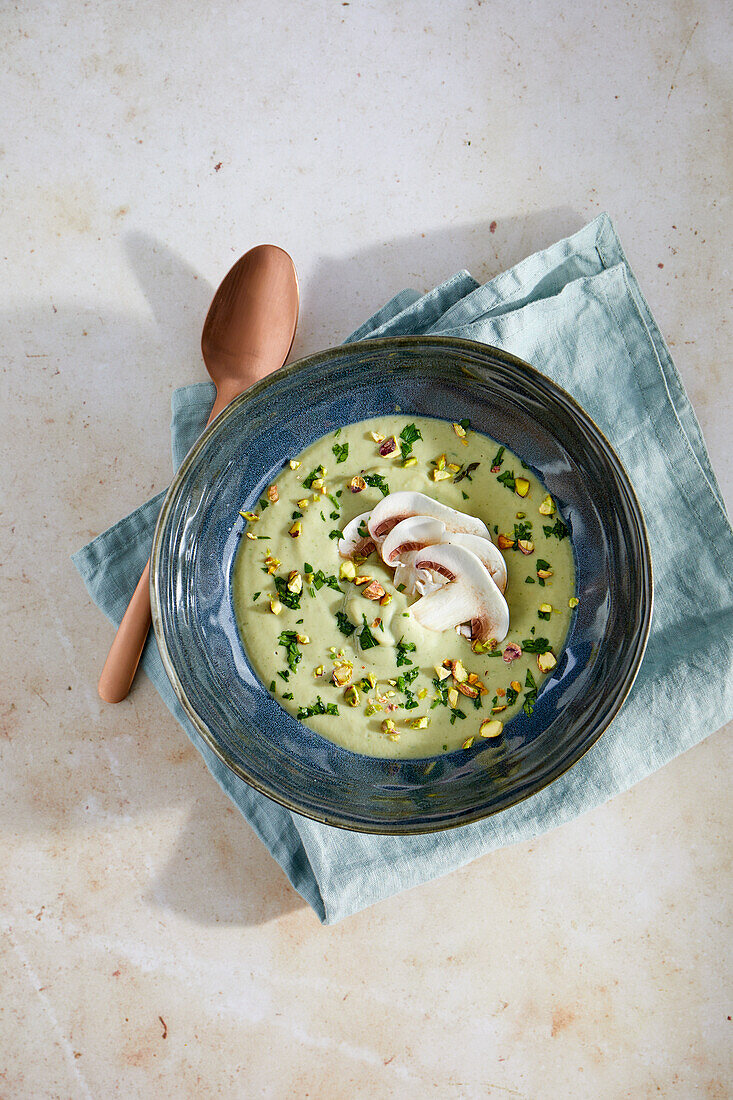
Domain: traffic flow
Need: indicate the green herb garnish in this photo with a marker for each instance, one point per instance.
(403, 648)
(507, 479)
(341, 451)
(498, 458)
(366, 638)
(256, 597)
(530, 697)
(344, 624)
(289, 639)
(530, 580)
(511, 696)
(559, 531)
(314, 475)
(319, 707)
(466, 472)
(335, 533)
(377, 481)
(290, 599)
(320, 578)
(409, 435)
(535, 645)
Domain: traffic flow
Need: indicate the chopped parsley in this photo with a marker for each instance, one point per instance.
(284, 675)
(290, 599)
(335, 533)
(289, 639)
(296, 515)
(264, 504)
(341, 451)
(456, 714)
(319, 707)
(344, 624)
(507, 479)
(287, 695)
(272, 686)
(530, 696)
(544, 614)
(403, 648)
(366, 638)
(498, 457)
(362, 530)
(535, 645)
(256, 597)
(559, 531)
(464, 495)
(402, 681)
(511, 696)
(542, 564)
(314, 475)
(320, 578)
(409, 435)
(531, 580)
(377, 481)
(466, 472)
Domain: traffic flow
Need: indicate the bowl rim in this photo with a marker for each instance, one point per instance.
(377, 344)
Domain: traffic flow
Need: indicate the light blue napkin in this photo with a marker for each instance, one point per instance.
(576, 313)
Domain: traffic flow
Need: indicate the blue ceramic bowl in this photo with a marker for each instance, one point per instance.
(199, 530)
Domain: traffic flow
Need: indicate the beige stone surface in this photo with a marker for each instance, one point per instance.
(150, 945)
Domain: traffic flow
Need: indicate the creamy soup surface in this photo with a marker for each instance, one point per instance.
(361, 671)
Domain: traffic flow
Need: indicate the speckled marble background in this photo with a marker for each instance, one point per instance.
(150, 945)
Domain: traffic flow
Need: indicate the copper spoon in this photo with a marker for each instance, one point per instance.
(248, 333)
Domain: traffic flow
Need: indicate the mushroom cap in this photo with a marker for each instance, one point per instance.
(351, 542)
(470, 596)
(421, 581)
(392, 509)
(417, 532)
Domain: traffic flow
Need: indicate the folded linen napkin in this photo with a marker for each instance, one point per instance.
(575, 312)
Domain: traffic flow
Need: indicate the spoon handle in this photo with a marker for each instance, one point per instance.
(129, 641)
(126, 649)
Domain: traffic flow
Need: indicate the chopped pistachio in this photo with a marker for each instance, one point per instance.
(388, 726)
(373, 708)
(251, 516)
(504, 542)
(453, 697)
(272, 564)
(526, 546)
(388, 446)
(546, 661)
(521, 486)
(275, 606)
(498, 710)
(468, 742)
(347, 571)
(468, 690)
(481, 647)
(419, 723)
(545, 608)
(251, 536)
(357, 484)
(294, 464)
(342, 673)
(410, 461)
(459, 672)
(454, 467)
(441, 462)
(573, 601)
(441, 475)
(422, 693)
(521, 515)
(460, 431)
(318, 671)
(544, 573)
(491, 727)
(377, 436)
(373, 591)
(273, 494)
(547, 508)
(351, 695)
(362, 580)
(295, 530)
(317, 484)
(302, 639)
(295, 581)
(442, 673)
(515, 685)
(303, 504)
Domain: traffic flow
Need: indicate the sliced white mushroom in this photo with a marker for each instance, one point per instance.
(352, 542)
(414, 580)
(417, 532)
(392, 509)
(471, 596)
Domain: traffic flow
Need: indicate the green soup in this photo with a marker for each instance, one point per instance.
(305, 625)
